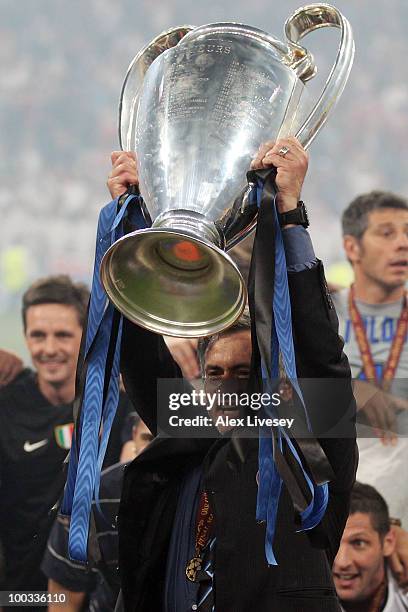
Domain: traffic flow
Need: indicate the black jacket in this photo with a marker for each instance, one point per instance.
(301, 582)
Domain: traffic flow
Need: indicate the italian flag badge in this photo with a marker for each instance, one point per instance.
(63, 435)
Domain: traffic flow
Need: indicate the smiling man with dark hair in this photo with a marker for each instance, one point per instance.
(36, 423)
(363, 581)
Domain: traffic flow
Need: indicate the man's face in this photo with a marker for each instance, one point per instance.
(381, 255)
(227, 365)
(141, 436)
(358, 568)
(53, 335)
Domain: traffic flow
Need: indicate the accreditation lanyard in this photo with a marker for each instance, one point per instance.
(364, 345)
(203, 532)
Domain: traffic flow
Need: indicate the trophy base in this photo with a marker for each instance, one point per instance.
(173, 283)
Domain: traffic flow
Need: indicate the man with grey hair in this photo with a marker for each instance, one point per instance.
(188, 534)
(373, 315)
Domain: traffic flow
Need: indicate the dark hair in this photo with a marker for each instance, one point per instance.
(366, 499)
(355, 218)
(204, 344)
(58, 289)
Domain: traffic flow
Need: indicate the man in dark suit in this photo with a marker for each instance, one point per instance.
(175, 479)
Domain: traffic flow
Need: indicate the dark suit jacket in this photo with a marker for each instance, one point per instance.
(301, 582)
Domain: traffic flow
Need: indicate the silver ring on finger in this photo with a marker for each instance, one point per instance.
(283, 151)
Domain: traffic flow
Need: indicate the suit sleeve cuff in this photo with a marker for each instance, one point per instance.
(299, 249)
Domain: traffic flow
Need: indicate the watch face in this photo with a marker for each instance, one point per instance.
(306, 216)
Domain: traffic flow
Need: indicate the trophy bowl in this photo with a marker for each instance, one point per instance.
(196, 116)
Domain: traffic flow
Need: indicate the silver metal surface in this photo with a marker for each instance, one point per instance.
(196, 105)
(134, 78)
(308, 19)
(170, 283)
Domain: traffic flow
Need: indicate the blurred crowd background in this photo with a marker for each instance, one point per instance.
(63, 64)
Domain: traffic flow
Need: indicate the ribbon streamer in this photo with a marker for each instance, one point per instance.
(279, 460)
(100, 386)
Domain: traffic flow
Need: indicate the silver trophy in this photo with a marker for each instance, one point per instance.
(196, 104)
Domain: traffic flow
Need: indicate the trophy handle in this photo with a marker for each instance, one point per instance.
(305, 20)
(134, 78)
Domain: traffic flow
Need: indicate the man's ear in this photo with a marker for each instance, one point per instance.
(389, 543)
(352, 248)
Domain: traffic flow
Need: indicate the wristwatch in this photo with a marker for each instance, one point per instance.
(297, 216)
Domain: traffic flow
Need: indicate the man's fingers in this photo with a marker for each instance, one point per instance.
(123, 173)
(184, 353)
(395, 564)
(10, 366)
(295, 153)
(119, 185)
(4, 379)
(374, 417)
(127, 177)
(380, 418)
(115, 155)
(274, 159)
(391, 424)
(256, 163)
(294, 144)
(380, 412)
(121, 156)
(400, 403)
(263, 158)
(295, 157)
(124, 180)
(388, 416)
(399, 559)
(124, 167)
(8, 375)
(389, 437)
(264, 148)
(189, 364)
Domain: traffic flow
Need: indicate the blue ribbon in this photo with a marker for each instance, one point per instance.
(270, 481)
(91, 436)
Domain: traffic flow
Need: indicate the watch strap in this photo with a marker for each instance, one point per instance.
(296, 216)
